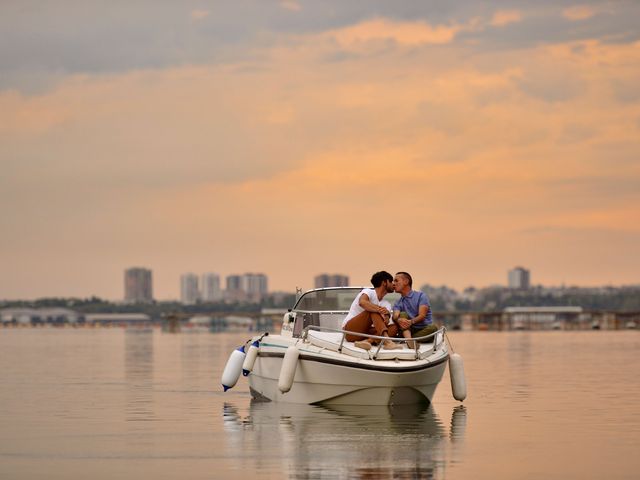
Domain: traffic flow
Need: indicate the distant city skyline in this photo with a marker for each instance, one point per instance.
(248, 287)
(330, 280)
(217, 287)
(174, 290)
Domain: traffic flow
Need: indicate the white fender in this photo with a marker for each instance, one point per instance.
(252, 354)
(456, 371)
(233, 368)
(288, 370)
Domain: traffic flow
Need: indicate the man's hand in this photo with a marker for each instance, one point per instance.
(404, 323)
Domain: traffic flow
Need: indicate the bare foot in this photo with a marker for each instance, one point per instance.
(391, 346)
(363, 345)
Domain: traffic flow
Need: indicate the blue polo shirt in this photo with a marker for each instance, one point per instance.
(411, 304)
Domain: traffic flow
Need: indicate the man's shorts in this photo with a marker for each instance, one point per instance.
(423, 331)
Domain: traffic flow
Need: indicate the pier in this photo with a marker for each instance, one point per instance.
(539, 318)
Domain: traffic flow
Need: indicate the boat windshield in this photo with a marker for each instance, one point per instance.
(332, 300)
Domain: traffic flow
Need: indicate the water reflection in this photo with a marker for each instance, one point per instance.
(458, 424)
(138, 365)
(347, 441)
(519, 356)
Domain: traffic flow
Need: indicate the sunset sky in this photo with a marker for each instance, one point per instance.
(454, 140)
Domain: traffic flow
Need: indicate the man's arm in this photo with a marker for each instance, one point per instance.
(402, 322)
(422, 314)
(366, 303)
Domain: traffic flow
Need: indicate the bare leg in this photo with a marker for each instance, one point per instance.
(407, 334)
(372, 323)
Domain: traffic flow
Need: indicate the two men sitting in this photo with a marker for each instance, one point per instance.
(371, 314)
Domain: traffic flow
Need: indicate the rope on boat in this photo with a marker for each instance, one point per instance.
(449, 341)
(248, 342)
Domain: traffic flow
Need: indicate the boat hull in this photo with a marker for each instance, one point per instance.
(325, 381)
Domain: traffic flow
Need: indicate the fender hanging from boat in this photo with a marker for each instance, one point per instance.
(233, 368)
(458, 382)
(288, 369)
(252, 354)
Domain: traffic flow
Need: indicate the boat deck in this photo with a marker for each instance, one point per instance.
(334, 341)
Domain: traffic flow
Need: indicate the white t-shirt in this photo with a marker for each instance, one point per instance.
(356, 309)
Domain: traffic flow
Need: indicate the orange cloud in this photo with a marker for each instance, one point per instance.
(29, 116)
(199, 14)
(505, 17)
(401, 33)
(579, 12)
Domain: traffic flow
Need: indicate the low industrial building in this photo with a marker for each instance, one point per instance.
(40, 316)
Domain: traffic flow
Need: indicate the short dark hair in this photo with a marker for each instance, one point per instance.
(379, 277)
(408, 277)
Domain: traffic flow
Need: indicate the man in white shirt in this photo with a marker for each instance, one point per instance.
(367, 315)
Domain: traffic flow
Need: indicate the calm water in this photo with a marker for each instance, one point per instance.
(78, 404)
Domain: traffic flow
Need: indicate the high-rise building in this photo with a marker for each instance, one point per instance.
(235, 289)
(252, 287)
(210, 288)
(138, 287)
(189, 293)
(234, 282)
(255, 286)
(519, 278)
(325, 280)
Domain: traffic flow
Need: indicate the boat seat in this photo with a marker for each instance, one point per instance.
(331, 341)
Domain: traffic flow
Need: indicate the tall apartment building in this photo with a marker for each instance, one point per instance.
(519, 278)
(210, 288)
(255, 286)
(251, 287)
(336, 280)
(235, 289)
(189, 292)
(138, 287)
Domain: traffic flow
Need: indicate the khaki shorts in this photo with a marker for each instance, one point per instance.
(423, 331)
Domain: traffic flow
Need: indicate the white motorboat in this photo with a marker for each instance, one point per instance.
(310, 361)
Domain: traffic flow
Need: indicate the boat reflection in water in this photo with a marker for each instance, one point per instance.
(408, 441)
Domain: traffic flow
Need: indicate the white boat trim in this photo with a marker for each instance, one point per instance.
(351, 364)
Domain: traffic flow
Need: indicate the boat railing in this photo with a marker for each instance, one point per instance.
(438, 338)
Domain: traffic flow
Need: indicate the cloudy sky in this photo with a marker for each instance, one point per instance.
(454, 140)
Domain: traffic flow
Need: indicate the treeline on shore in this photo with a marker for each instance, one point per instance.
(624, 299)
(154, 309)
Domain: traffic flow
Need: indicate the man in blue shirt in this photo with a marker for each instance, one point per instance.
(412, 312)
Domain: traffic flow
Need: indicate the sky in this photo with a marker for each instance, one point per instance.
(452, 140)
